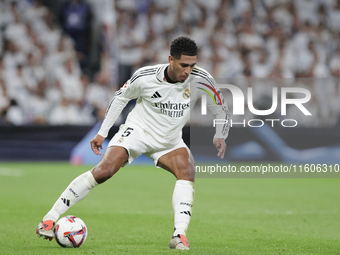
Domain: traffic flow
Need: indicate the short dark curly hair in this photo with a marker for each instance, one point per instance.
(183, 46)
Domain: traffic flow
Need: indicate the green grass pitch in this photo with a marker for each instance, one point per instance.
(132, 213)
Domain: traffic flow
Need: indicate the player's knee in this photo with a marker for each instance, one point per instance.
(103, 171)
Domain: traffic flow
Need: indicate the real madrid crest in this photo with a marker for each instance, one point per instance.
(186, 94)
(120, 140)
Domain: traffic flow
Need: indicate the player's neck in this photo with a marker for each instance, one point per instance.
(166, 76)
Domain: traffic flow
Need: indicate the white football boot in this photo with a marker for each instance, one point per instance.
(179, 242)
(45, 229)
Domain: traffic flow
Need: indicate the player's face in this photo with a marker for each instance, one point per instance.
(180, 69)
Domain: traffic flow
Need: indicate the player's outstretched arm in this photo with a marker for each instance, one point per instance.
(220, 146)
(96, 144)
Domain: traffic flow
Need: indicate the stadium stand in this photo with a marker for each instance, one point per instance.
(42, 74)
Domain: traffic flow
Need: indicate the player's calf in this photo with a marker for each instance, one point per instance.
(113, 159)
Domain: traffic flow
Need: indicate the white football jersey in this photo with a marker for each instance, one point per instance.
(163, 108)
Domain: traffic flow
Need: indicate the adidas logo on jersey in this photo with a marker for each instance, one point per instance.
(156, 95)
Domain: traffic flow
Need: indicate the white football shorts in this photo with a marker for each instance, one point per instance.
(137, 142)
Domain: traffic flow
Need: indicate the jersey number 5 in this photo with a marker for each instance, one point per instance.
(127, 132)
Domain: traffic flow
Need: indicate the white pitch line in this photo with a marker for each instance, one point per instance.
(11, 172)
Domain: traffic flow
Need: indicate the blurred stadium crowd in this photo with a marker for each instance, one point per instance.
(55, 66)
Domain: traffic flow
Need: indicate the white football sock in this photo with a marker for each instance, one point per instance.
(182, 202)
(76, 191)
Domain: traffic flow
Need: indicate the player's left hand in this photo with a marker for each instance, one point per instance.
(220, 146)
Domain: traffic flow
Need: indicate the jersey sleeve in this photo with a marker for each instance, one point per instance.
(130, 90)
(215, 102)
(220, 111)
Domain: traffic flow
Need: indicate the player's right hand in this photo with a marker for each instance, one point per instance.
(220, 146)
(96, 144)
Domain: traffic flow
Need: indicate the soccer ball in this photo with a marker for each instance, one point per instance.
(70, 232)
